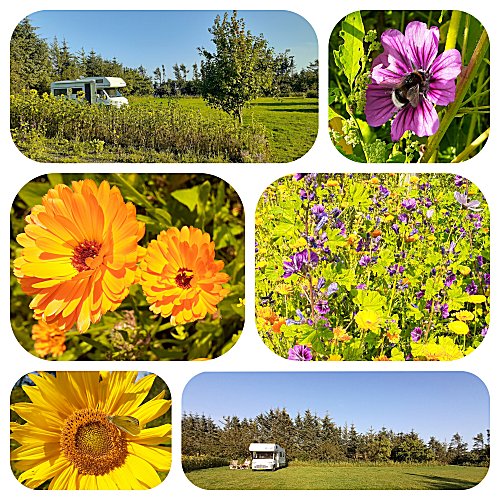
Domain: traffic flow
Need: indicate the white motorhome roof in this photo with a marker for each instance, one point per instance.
(263, 447)
(101, 82)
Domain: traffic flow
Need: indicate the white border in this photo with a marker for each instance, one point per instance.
(249, 354)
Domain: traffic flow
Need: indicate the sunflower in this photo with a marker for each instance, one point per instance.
(180, 276)
(48, 339)
(69, 437)
(80, 253)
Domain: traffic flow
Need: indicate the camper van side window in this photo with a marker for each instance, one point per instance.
(60, 92)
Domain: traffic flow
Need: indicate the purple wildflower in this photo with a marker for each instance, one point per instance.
(450, 279)
(459, 181)
(395, 228)
(403, 218)
(416, 334)
(419, 294)
(332, 288)
(409, 204)
(384, 192)
(364, 261)
(361, 286)
(318, 210)
(409, 79)
(484, 331)
(297, 177)
(322, 307)
(300, 353)
(445, 313)
(471, 288)
(462, 199)
(297, 262)
(429, 213)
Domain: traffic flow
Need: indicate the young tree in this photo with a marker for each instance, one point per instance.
(241, 68)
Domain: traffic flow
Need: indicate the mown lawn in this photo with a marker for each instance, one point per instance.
(291, 122)
(307, 477)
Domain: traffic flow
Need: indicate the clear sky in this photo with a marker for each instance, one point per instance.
(153, 38)
(432, 403)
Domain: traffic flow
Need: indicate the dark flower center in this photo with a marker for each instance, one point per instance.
(84, 253)
(183, 278)
(92, 443)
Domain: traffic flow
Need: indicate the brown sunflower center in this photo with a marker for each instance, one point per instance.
(183, 278)
(92, 443)
(84, 254)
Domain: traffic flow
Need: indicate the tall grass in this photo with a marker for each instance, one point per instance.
(185, 135)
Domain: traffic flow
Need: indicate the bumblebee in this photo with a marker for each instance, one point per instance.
(409, 90)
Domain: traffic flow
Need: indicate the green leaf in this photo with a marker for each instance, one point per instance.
(188, 197)
(359, 195)
(369, 300)
(33, 192)
(350, 53)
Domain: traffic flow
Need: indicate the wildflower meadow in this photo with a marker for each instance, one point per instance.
(390, 267)
(409, 86)
(127, 266)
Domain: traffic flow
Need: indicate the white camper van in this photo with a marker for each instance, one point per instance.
(96, 89)
(267, 456)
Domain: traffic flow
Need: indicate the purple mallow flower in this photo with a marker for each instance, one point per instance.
(409, 204)
(297, 262)
(450, 279)
(300, 353)
(416, 334)
(471, 288)
(409, 79)
(365, 260)
(322, 307)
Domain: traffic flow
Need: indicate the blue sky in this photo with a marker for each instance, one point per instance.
(432, 403)
(153, 38)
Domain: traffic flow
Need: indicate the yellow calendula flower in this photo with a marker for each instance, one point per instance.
(431, 237)
(368, 320)
(80, 253)
(332, 183)
(476, 299)
(414, 179)
(388, 218)
(464, 316)
(335, 357)
(375, 181)
(89, 431)
(458, 327)
(180, 276)
(443, 349)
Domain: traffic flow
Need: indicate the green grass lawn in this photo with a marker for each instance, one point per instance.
(307, 477)
(291, 122)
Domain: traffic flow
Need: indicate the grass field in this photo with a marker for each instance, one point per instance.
(291, 122)
(306, 477)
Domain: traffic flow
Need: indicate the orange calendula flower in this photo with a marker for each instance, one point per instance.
(80, 253)
(180, 276)
(49, 340)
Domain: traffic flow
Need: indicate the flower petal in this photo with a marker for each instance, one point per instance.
(395, 46)
(447, 65)
(441, 92)
(422, 44)
(379, 106)
(423, 120)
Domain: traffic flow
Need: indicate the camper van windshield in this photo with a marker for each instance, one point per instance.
(113, 92)
(263, 454)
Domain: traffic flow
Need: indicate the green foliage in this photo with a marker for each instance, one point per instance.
(132, 332)
(168, 131)
(202, 462)
(241, 68)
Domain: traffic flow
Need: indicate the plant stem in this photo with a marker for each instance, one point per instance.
(471, 147)
(463, 85)
(451, 37)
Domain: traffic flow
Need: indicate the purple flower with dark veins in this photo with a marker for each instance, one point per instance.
(365, 260)
(471, 288)
(332, 288)
(416, 334)
(409, 78)
(361, 286)
(445, 313)
(409, 204)
(297, 177)
(322, 307)
(384, 192)
(297, 262)
(450, 279)
(300, 353)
